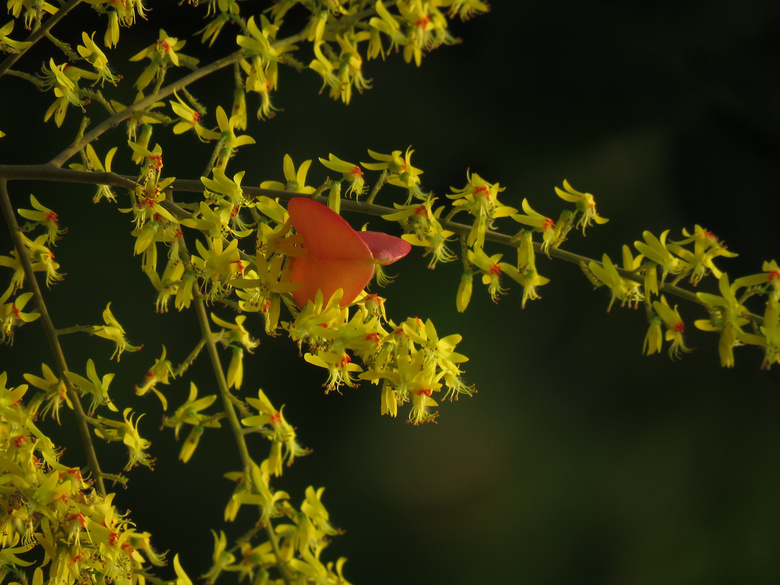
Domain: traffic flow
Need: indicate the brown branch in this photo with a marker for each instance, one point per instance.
(38, 35)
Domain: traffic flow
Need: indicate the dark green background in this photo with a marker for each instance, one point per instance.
(579, 460)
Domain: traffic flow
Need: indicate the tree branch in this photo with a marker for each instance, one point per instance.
(147, 102)
(38, 35)
(51, 336)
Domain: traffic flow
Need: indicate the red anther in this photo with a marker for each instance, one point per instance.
(423, 21)
(484, 191)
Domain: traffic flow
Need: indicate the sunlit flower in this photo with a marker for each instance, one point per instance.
(586, 205)
(351, 173)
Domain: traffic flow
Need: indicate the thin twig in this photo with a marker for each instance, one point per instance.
(38, 35)
(147, 102)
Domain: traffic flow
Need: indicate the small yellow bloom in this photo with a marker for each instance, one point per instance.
(585, 202)
(351, 173)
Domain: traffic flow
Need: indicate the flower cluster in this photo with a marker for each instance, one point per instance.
(49, 511)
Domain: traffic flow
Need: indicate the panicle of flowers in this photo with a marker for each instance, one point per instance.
(51, 520)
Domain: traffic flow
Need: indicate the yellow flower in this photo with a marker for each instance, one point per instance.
(585, 202)
(97, 58)
(543, 224)
(5, 42)
(296, 180)
(44, 216)
(93, 385)
(490, 269)
(674, 327)
(127, 432)
(351, 173)
(400, 171)
(11, 314)
(161, 54)
(113, 331)
(480, 199)
(157, 374)
(627, 291)
(706, 247)
(190, 120)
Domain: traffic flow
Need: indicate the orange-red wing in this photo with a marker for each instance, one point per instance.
(385, 248)
(335, 257)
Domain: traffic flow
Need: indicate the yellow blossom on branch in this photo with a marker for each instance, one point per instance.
(113, 331)
(350, 172)
(586, 205)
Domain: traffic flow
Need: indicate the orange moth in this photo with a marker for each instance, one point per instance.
(335, 256)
